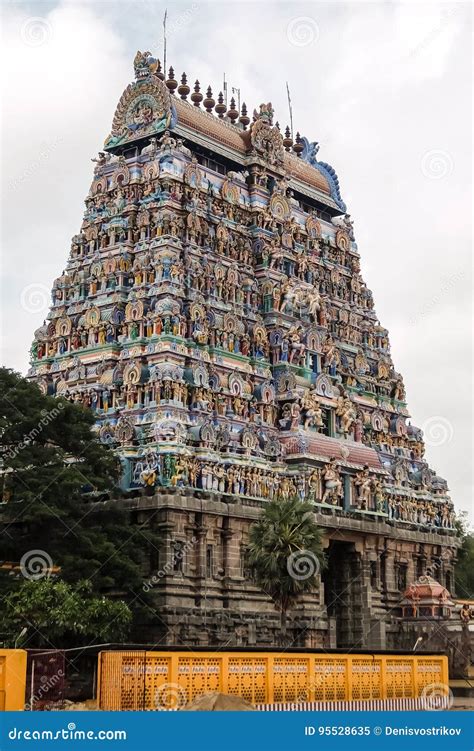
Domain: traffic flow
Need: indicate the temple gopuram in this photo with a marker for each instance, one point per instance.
(213, 316)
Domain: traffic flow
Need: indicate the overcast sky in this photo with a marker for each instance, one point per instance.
(383, 86)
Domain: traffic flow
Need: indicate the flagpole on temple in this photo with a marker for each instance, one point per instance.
(164, 40)
(290, 108)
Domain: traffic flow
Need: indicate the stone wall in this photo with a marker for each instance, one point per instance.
(204, 595)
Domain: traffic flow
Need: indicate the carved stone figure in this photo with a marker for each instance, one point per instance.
(333, 489)
(313, 412)
(363, 484)
(347, 413)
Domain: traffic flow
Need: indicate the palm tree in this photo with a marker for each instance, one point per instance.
(285, 553)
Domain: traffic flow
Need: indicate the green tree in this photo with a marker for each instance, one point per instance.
(285, 553)
(464, 571)
(47, 611)
(54, 474)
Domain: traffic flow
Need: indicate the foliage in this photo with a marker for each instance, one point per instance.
(464, 571)
(285, 553)
(55, 610)
(55, 472)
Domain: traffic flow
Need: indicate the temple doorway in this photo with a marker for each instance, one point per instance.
(343, 593)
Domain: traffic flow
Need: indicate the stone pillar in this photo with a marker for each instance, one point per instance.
(332, 633)
(411, 569)
(347, 492)
(166, 530)
(200, 552)
(378, 635)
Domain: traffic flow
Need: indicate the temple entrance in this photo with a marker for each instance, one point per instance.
(343, 593)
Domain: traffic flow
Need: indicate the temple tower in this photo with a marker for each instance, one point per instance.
(213, 315)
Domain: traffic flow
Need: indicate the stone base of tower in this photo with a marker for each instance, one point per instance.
(203, 594)
(231, 628)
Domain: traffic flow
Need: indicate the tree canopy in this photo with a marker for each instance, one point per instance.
(464, 571)
(54, 473)
(49, 611)
(285, 553)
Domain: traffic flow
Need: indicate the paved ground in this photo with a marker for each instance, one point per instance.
(465, 703)
(461, 703)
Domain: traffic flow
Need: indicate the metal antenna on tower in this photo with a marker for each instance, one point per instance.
(225, 91)
(290, 108)
(235, 90)
(164, 41)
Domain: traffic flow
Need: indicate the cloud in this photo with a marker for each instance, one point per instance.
(66, 70)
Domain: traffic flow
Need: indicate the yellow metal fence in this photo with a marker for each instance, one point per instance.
(12, 679)
(166, 680)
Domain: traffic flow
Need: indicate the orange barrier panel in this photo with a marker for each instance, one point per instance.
(165, 680)
(12, 679)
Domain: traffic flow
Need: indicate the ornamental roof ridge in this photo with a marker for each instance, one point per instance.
(148, 106)
(209, 115)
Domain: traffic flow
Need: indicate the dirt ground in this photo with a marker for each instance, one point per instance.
(465, 703)
(461, 703)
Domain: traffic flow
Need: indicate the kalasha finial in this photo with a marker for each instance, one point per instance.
(196, 96)
(298, 146)
(244, 119)
(220, 106)
(209, 101)
(159, 71)
(232, 112)
(287, 141)
(171, 82)
(183, 88)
